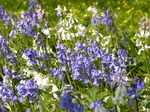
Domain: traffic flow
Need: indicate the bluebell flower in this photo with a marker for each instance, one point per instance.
(13, 33)
(98, 106)
(67, 103)
(122, 56)
(62, 55)
(77, 75)
(39, 104)
(81, 66)
(97, 74)
(61, 46)
(43, 65)
(96, 82)
(144, 101)
(136, 87)
(4, 16)
(57, 73)
(33, 4)
(24, 25)
(28, 90)
(10, 74)
(81, 45)
(70, 87)
(18, 77)
(120, 94)
(60, 11)
(29, 20)
(7, 95)
(40, 41)
(28, 110)
(46, 56)
(3, 108)
(3, 45)
(107, 19)
(32, 55)
(12, 58)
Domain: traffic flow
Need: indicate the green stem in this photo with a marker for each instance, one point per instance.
(30, 106)
(137, 104)
(115, 104)
(146, 61)
(68, 77)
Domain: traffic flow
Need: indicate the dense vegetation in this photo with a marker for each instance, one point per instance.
(74, 56)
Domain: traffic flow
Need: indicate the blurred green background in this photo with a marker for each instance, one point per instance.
(130, 11)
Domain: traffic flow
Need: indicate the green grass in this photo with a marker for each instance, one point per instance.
(129, 11)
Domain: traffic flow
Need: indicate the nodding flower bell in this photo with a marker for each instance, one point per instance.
(100, 109)
(98, 106)
(42, 81)
(120, 94)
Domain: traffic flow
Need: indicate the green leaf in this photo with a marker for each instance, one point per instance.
(147, 105)
(103, 95)
(110, 104)
(92, 93)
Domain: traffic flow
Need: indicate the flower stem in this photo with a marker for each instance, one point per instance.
(115, 104)
(137, 105)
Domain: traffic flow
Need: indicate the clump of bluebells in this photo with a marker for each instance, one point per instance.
(32, 56)
(80, 62)
(29, 20)
(7, 95)
(28, 90)
(16, 89)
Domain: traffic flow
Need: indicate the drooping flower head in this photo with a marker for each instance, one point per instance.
(67, 103)
(33, 4)
(136, 87)
(28, 90)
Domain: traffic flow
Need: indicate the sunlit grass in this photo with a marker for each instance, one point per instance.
(129, 12)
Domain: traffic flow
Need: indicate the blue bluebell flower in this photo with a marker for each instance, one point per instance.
(67, 103)
(107, 19)
(29, 90)
(32, 55)
(136, 87)
(29, 20)
(46, 56)
(57, 73)
(3, 45)
(96, 103)
(70, 87)
(98, 106)
(3, 108)
(7, 95)
(4, 16)
(11, 58)
(62, 55)
(28, 110)
(33, 4)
